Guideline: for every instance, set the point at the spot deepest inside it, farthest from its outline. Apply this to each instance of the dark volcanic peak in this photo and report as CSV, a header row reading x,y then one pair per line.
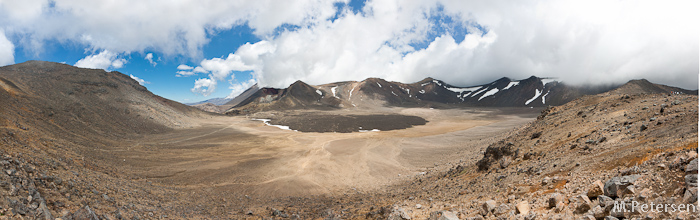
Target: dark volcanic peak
x,y
504,92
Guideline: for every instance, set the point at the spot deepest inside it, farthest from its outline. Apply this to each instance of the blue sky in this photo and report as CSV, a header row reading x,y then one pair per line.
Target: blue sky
x,y
161,77
223,47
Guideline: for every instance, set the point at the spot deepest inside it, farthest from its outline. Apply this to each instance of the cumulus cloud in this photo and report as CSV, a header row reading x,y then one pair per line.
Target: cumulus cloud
x,y
240,87
176,28
141,81
185,70
184,67
103,60
204,86
246,58
149,57
7,50
578,42
593,41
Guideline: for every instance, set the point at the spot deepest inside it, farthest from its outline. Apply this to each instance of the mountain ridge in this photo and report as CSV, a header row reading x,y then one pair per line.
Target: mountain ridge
x,y
430,92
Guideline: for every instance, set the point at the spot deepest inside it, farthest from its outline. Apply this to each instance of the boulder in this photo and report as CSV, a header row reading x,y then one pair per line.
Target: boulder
x,y
522,208
691,195
691,180
501,209
554,199
488,207
85,213
588,217
598,212
602,200
445,215
44,212
595,189
582,204
399,213
615,187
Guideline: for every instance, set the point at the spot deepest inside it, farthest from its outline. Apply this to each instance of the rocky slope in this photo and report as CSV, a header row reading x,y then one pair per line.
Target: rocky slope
x,y
574,162
52,118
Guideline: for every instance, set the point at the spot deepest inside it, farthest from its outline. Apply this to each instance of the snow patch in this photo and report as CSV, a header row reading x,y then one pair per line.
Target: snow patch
x,y
490,92
545,95
470,89
422,91
380,85
333,91
545,81
437,82
353,89
319,92
511,84
267,122
392,92
373,130
537,94
478,92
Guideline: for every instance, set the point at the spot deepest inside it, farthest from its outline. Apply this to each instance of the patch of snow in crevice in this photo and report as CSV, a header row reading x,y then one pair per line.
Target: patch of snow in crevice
x,y
470,89
490,92
380,85
267,122
333,91
511,84
392,92
437,82
545,81
373,130
479,92
353,89
422,91
537,94
319,92
424,84
545,95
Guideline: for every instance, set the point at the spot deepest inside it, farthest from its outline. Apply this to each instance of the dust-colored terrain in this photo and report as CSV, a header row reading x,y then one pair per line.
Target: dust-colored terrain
x,y
247,156
89,144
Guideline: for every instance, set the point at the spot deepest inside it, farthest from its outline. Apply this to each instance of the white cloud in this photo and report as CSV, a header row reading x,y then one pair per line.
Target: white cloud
x,y
184,73
184,67
175,28
246,58
7,50
104,60
149,57
238,88
141,81
186,70
579,42
204,86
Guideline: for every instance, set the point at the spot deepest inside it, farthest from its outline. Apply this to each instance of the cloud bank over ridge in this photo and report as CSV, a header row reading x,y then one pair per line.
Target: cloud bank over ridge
x,y
321,41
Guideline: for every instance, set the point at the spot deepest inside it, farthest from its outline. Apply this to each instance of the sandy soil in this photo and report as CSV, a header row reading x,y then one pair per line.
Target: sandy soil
x,y
246,156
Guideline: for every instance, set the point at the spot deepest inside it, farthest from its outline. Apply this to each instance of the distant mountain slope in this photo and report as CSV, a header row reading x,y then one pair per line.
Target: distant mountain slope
x,y
243,96
429,92
215,101
643,86
70,101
